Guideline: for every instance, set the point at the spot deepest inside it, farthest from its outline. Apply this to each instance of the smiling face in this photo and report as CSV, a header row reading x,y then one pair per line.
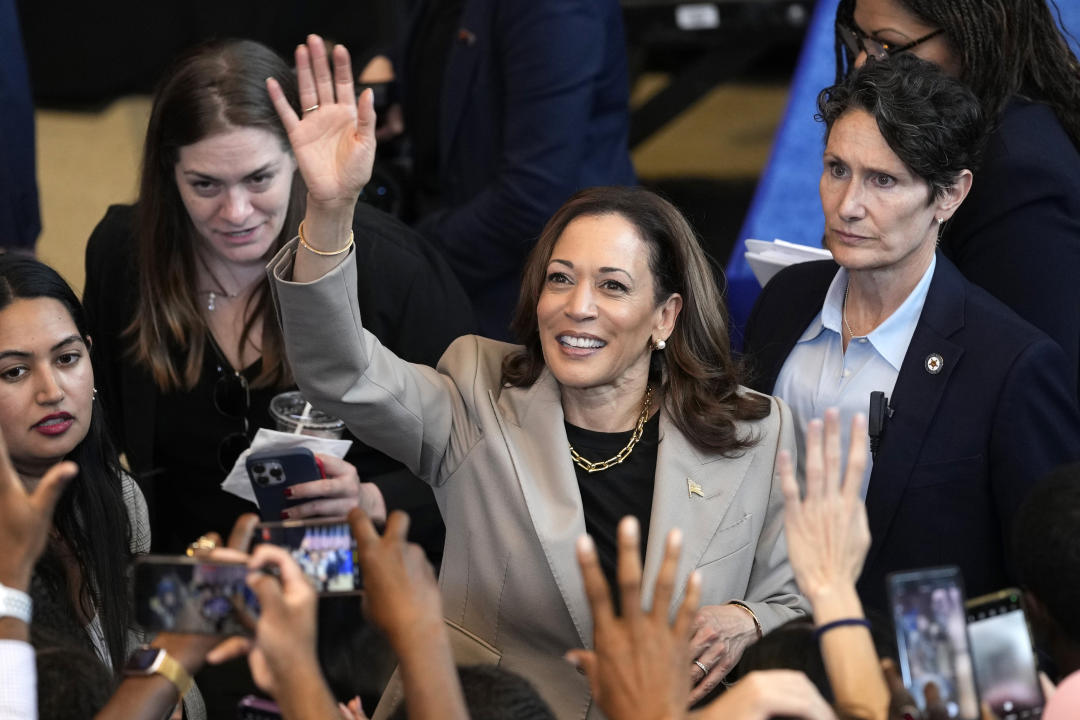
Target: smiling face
x,y
236,186
597,310
890,22
46,383
877,212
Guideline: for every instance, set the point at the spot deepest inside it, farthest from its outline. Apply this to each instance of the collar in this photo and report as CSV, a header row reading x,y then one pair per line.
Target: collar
x,y
892,337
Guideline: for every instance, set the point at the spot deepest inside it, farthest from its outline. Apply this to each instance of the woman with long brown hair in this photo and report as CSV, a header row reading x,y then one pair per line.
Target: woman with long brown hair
x,y
623,399
188,350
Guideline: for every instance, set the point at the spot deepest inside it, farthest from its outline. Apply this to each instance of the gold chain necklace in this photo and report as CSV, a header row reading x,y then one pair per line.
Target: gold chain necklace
x,y
591,467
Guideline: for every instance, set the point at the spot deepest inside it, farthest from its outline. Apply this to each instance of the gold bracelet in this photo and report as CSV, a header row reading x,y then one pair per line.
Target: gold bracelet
x,y
753,616
304,242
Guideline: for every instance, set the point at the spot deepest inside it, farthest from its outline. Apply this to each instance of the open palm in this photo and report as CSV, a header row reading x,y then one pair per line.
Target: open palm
x,y
334,141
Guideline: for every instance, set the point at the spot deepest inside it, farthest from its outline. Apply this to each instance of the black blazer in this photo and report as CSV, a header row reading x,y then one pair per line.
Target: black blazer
x,y
1017,235
415,304
964,445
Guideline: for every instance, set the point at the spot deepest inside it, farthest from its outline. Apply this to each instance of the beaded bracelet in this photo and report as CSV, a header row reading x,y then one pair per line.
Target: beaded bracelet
x,y
304,242
844,622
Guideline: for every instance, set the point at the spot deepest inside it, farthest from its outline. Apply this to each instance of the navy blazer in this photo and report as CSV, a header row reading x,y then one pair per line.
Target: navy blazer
x,y
963,445
1017,235
535,106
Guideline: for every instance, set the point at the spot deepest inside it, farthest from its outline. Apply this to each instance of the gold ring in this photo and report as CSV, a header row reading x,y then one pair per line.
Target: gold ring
x,y
205,542
313,108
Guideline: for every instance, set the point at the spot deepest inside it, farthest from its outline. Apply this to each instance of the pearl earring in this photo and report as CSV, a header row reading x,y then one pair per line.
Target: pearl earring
x,y
93,395
659,344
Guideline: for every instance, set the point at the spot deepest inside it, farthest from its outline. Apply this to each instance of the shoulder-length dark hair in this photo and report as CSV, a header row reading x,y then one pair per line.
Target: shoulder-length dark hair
x,y
933,122
215,87
1005,48
91,519
698,376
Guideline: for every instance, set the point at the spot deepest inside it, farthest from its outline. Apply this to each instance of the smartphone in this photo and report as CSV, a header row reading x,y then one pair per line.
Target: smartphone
x,y
251,707
1005,666
190,595
931,635
271,471
324,549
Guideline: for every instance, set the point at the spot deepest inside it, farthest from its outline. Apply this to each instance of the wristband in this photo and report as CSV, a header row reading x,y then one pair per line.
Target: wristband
x,y
15,603
844,622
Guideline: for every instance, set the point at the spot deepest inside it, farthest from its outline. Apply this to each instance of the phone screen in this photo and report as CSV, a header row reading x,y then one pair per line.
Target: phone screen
x,y
931,634
185,595
324,550
1005,665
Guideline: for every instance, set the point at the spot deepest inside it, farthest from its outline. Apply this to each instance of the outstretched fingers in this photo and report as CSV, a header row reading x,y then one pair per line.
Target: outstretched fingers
x,y
343,79
320,69
628,566
665,579
596,587
832,452
856,461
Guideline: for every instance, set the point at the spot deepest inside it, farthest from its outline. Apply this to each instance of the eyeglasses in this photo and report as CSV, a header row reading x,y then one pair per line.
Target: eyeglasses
x,y
857,41
232,398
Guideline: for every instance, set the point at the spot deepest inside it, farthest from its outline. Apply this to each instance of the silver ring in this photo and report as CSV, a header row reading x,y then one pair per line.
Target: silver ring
x,y
703,666
313,108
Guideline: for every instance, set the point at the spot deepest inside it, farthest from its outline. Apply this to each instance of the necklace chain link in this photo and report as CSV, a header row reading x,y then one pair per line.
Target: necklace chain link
x,y
591,467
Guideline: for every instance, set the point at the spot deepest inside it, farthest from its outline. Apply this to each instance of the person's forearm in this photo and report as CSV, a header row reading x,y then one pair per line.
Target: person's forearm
x,y
14,629
429,676
140,698
304,694
326,230
851,660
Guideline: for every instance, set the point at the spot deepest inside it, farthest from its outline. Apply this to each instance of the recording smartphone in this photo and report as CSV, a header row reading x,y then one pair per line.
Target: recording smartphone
x,y
271,471
931,635
251,707
324,549
190,595
1005,665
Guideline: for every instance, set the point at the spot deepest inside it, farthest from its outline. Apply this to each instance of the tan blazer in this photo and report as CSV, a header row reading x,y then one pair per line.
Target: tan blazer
x,y
499,463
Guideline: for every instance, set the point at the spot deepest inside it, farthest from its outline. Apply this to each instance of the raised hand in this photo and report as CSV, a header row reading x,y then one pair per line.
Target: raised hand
x,y
338,493
334,139
26,517
638,667
827,531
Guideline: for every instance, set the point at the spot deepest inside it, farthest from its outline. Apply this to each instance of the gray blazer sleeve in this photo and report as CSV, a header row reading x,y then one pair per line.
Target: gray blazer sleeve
x,y
406,411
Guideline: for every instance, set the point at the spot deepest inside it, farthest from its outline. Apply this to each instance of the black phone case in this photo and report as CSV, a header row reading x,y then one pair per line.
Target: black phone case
x,y
271,471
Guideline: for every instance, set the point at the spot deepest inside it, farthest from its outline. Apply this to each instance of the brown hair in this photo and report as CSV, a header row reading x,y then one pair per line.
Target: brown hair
x,y
698,376
215,87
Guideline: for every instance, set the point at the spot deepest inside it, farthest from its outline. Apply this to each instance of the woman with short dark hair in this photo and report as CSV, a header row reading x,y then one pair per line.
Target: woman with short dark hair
x,y
1017,234
968,403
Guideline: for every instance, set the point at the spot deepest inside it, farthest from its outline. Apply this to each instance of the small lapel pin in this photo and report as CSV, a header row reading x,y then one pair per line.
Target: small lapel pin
x,y
693,488
466,37
934,363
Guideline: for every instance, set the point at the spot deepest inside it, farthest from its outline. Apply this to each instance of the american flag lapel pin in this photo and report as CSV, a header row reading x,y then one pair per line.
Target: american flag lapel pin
x,y
692,488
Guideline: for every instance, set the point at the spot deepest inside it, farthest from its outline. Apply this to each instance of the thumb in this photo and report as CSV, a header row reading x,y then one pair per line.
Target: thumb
x,y
52,485
584,661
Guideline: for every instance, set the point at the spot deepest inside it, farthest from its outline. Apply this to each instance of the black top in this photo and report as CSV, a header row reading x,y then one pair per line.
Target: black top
x,y
409,299
435,31
625,489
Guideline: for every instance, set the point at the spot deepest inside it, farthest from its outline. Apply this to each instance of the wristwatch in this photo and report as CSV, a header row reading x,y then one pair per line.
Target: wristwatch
x,y
148,661
15,603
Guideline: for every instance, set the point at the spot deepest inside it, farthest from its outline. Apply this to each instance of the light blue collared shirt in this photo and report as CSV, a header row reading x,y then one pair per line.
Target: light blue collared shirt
x,y
818,374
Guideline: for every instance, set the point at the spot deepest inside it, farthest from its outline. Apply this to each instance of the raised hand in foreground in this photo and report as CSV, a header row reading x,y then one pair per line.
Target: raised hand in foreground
x,y
638,667
828,538
403,599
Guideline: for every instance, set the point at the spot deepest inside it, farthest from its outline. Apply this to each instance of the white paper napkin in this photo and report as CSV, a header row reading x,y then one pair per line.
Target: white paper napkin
x,y
237,481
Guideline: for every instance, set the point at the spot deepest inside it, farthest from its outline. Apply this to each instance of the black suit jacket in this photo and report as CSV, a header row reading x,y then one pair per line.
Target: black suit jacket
x,y
1017,235
415,304
964,445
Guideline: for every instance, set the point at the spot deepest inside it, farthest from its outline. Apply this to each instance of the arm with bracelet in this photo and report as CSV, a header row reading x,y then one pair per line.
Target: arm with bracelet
x,y
828,538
